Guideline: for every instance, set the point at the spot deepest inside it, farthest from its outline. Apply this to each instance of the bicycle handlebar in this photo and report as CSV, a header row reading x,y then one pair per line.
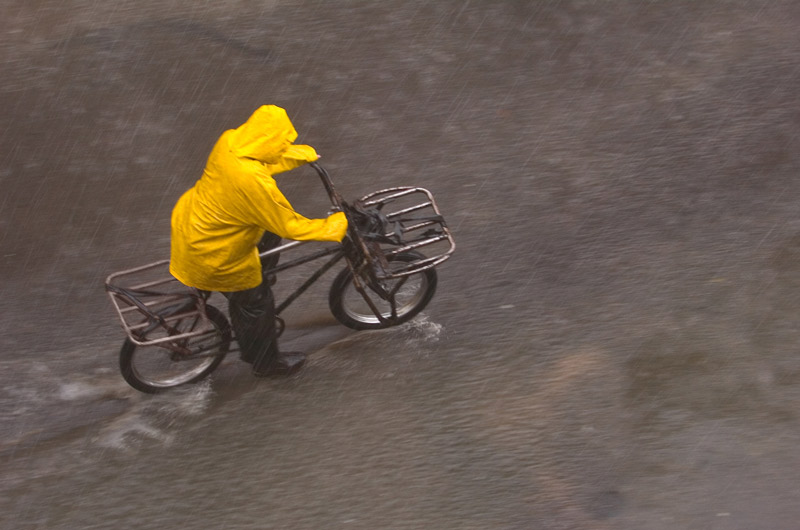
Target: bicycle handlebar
x,y
336,199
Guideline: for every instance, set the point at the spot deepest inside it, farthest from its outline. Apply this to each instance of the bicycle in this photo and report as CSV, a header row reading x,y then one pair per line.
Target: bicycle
x,y
175,337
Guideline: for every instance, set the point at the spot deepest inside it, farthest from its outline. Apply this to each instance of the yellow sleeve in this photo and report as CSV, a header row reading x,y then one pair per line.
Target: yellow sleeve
x,y
270,209
294,156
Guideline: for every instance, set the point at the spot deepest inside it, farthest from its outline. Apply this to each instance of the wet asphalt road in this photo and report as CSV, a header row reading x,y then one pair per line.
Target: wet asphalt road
x,y
613,345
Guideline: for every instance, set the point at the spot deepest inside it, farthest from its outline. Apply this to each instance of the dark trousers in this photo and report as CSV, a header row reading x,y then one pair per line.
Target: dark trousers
x,y
252,314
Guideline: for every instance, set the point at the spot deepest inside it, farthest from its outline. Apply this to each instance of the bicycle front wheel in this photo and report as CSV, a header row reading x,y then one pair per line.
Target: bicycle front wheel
x,y
411,294
155,369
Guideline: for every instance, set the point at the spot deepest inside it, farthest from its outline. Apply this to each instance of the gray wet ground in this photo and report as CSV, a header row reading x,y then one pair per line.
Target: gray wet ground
x,y
613,345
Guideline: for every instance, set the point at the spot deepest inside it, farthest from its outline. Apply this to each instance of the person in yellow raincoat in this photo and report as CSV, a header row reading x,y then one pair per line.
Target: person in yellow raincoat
x,y
236,208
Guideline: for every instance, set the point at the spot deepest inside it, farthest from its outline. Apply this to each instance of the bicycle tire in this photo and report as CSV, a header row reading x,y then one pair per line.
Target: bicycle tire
x,y
349,307
178,371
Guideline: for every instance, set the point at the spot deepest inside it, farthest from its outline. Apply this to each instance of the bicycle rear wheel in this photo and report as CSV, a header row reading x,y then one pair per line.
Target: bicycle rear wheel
x,y
412,294
155,369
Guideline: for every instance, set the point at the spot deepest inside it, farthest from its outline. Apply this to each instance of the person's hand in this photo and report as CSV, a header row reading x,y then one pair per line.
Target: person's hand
x,y
337,225
304,153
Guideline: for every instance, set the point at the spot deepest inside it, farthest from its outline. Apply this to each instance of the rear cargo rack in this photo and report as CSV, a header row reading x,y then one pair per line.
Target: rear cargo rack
x,y
149,301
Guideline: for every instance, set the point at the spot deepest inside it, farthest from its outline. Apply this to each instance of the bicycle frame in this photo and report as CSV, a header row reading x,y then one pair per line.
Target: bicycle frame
x,y
336,252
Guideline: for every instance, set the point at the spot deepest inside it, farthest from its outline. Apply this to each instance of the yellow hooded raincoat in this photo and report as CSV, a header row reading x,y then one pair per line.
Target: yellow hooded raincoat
x,y
217,223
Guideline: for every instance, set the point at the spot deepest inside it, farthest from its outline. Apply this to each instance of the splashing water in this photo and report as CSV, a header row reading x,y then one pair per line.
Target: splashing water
x,y
156,418
422,329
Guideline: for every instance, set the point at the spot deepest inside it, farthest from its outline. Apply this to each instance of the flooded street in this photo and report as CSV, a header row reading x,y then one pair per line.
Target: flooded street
x,y
612,346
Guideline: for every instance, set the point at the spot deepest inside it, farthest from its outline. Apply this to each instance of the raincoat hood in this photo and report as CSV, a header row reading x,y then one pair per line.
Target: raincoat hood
x,y
265,136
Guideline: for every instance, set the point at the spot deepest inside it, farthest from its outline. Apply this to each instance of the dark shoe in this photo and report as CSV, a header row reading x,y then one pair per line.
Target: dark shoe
x,y
287,363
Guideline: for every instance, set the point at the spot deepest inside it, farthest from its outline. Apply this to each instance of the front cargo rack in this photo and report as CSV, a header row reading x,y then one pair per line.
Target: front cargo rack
x,y
410,220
